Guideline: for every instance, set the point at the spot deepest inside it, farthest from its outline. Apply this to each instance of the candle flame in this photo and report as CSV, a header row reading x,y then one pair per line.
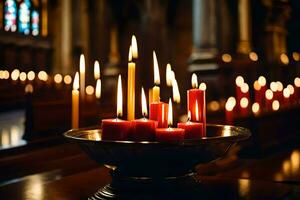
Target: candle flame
x,y
230,104
297,82
98,89
189,116
156,70
255,108
76,82
96,70
273,86
197,111
144,104
256,85
279,86
286,93
291,89
262,81
194,81
202,86
168,75
119,98
239,81
134,47
244,102
170,113
275,105
269,94
245,88
130,54
82,64
176,94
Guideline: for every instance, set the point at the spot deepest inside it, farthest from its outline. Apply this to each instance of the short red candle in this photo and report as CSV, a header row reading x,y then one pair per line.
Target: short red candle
x,y
143,130
159,113
193,130
169,134
115,129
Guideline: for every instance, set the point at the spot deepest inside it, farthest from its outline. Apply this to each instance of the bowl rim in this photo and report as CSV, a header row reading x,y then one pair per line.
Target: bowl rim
x,y
243,134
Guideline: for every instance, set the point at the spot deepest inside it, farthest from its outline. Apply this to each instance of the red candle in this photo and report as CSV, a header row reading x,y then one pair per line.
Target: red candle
x,y
263,84
159,113
245,91
116,129
169,134
239,81
286,96
143,129
196,101
244,107
258,95
193,130
292,93
229,108
279,92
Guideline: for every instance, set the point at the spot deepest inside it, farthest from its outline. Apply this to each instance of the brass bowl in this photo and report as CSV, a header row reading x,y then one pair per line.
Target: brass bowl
x,y
145,161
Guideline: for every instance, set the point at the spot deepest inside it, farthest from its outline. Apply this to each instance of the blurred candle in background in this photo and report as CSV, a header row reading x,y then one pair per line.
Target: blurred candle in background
x,y
82,76
96,70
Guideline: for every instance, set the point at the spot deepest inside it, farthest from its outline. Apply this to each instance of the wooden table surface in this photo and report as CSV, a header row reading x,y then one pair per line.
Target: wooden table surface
x,y
273,177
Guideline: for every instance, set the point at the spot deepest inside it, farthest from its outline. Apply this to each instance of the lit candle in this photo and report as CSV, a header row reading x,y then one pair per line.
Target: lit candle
x,y
143,129
82,76
292,93
169,134
116,129
239,81
258,97
98,89
96,70
245,90
279,92
131,87
193,130
156,89
229,108
275,105
263,84
75,102
286,96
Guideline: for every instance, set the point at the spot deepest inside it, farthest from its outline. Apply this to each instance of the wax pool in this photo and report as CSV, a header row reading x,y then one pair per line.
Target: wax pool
x,y
115,129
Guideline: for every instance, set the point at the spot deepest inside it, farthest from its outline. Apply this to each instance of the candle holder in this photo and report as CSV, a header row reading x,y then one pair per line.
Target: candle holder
x,y
143,170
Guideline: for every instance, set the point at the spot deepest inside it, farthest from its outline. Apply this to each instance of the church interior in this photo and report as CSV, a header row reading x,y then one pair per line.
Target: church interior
x,y
65,65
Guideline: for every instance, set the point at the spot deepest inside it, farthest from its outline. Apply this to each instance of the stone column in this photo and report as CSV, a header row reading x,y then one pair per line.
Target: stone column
x,y
204,30
244,40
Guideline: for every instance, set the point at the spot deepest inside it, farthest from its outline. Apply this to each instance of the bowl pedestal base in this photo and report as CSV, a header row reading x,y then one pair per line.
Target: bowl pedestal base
x,y
148,188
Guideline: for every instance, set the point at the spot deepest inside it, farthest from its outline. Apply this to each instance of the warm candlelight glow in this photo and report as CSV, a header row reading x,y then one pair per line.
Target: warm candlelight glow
x,y
23,76
230,104
255,108
284,58
194,81
273,86
96,70
279,86
239,81
98,89
244,102
89,90
256,85
189,116
214,105
144,104
31,75
5,74
197,111
275,105
134,47
119,98
172,76
297,82
291,89
15,74
43,76
286,92
262,81
202,86
28,88
67,79
156,70
226,58
76,82
176,94
253,56
170,113
245,88
169,77
269,94
296,56
58,78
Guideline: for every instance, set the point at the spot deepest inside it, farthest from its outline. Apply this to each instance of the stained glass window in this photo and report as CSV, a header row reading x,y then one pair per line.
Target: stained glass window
x,y
35,19
24,17
10,15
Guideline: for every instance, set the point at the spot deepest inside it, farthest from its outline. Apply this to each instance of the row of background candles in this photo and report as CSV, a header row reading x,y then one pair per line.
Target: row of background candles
x,y
265,99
